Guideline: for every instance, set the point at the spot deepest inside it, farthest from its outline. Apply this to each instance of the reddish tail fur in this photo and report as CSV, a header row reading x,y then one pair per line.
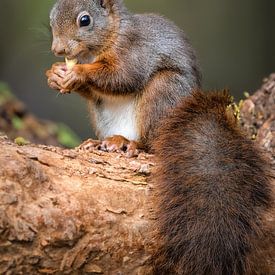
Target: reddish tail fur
x,y
213,190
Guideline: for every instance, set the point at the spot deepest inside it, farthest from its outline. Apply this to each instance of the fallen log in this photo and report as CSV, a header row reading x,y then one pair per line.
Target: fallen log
x,y
62,211
65,212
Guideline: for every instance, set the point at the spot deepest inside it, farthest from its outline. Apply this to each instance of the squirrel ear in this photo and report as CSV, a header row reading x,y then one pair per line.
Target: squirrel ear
x,y
106,3
102,3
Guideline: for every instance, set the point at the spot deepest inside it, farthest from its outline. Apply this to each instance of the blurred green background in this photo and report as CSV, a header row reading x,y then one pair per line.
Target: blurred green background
x,y
234,40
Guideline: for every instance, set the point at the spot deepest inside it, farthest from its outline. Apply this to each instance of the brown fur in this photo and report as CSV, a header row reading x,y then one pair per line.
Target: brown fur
x,y
212,190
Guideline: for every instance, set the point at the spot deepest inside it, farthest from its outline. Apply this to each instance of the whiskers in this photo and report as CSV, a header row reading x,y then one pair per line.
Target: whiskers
x,y
42,37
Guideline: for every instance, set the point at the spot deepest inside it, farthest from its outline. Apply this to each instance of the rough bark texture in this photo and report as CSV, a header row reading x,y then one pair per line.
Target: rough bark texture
x,y
64,212
258,117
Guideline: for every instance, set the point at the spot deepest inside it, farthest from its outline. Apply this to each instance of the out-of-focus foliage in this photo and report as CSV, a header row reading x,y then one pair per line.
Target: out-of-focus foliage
x,y
23,127
66,136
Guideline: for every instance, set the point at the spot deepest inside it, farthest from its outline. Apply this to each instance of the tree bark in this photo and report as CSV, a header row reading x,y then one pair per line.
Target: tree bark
x,y
65,212
258,117
62,211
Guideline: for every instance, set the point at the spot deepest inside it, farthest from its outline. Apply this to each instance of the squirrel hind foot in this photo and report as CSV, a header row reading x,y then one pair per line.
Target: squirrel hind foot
x,y
89,145
120,144
115,143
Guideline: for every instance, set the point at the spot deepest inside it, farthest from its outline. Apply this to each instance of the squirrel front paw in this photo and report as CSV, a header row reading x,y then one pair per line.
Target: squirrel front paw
x,y
73,79
63,79
56,75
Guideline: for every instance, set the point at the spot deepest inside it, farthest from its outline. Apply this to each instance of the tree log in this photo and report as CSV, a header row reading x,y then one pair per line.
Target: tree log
x,y
65,212
258,117
62,211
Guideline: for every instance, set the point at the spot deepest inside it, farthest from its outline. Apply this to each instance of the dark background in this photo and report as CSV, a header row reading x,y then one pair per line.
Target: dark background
x,y
234,40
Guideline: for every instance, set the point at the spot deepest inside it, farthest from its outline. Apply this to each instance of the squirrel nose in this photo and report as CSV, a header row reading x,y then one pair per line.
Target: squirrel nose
x,y
58,48
59,51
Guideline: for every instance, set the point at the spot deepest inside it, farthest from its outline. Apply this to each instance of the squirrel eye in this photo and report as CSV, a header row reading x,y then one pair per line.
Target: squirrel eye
x,y
84,21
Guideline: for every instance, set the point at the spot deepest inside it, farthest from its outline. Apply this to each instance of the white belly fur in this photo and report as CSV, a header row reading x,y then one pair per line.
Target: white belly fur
x,y
117,116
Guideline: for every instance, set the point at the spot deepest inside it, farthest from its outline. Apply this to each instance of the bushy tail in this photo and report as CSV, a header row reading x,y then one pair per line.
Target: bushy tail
x,y
211,188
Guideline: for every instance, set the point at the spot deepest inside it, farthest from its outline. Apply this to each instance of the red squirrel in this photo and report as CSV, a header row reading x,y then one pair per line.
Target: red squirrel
x,y
141,79
132,68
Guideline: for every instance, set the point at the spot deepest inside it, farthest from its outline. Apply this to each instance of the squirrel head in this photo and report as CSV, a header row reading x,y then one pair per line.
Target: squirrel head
x,y
81,28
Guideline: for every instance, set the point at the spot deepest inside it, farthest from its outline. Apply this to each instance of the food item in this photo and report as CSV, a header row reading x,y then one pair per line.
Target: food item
x,y
70,63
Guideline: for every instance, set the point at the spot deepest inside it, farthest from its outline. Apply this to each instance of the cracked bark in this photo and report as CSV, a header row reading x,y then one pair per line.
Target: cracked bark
x,y
64,212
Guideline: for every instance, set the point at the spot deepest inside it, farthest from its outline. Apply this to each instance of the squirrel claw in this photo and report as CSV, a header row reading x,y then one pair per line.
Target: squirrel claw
x,y
89,145
72,80
55,76
132,150
111,144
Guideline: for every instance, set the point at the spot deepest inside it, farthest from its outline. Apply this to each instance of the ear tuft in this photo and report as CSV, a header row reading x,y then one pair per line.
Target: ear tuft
x,y
102,3
107,3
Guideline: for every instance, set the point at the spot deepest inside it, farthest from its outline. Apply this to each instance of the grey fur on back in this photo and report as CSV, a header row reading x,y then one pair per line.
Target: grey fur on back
x,y
159,45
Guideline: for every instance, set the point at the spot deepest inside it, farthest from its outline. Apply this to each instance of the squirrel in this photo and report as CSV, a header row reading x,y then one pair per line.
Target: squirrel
x,y
130,72
141,78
